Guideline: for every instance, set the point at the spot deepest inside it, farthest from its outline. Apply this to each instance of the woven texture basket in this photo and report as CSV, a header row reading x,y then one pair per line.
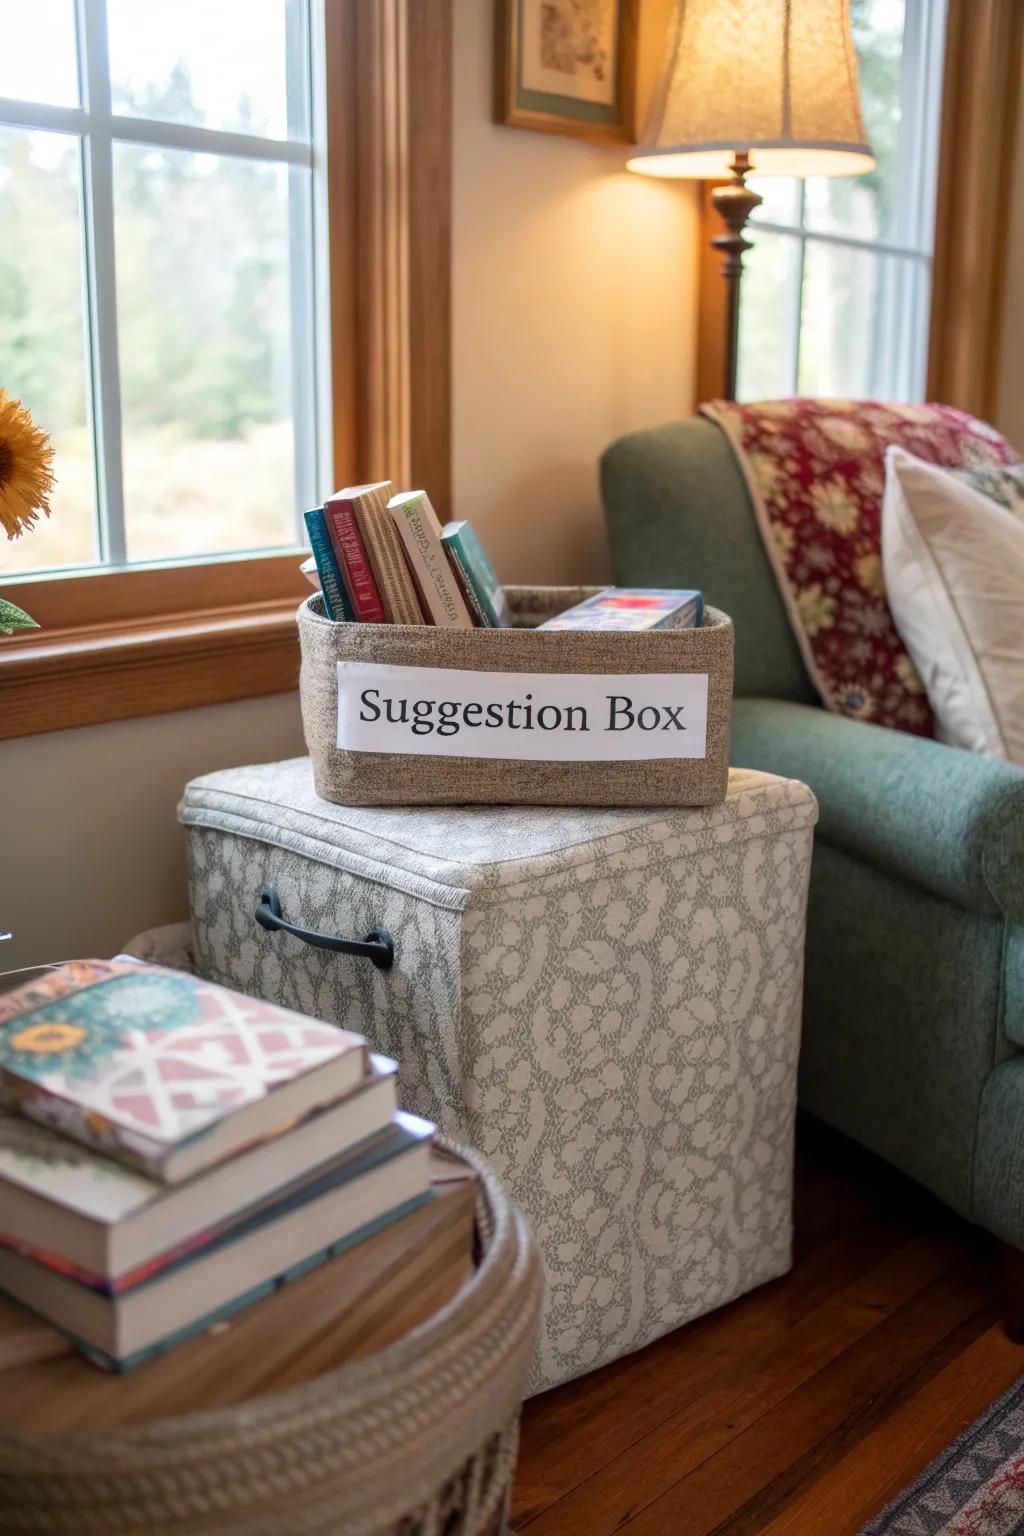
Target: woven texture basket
x,y
419,1439
379,778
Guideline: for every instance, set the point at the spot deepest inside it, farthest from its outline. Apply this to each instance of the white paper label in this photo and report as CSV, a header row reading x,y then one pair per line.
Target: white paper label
x,y
536,716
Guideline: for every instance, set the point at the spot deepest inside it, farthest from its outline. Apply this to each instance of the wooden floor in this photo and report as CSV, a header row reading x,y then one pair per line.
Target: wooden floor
x,y
802,1409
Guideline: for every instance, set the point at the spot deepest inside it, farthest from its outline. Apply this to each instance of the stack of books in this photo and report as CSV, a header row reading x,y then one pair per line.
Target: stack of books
x,y
384,559
171,1151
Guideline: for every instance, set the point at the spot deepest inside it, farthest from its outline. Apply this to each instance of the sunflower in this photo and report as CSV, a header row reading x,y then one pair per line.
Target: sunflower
x,y
26,473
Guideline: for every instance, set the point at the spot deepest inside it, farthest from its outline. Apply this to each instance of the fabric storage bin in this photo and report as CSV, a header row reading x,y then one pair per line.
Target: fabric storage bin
x,y
690,665
604,1003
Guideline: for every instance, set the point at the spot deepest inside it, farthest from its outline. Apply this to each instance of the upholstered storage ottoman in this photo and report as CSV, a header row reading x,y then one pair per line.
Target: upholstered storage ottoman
x,y
605,1003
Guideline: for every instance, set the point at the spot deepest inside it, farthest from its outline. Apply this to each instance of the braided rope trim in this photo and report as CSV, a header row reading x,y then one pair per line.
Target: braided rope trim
x,y
365,1447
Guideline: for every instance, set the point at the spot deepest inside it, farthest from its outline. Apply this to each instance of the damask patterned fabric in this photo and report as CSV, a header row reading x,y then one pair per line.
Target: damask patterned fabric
x,y
605,1003
816,473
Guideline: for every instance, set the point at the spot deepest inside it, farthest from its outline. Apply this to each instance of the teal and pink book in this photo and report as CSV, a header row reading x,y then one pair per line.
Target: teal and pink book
x,y
161,1070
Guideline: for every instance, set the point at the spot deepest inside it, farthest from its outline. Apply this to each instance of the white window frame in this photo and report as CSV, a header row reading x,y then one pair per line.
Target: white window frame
x,y
903,308
98,128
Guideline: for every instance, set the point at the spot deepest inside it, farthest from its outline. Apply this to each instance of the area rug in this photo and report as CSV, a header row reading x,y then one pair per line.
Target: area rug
x,y
976,1488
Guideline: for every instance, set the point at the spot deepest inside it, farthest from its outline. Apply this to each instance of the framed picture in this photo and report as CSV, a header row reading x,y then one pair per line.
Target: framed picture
x,y
568,66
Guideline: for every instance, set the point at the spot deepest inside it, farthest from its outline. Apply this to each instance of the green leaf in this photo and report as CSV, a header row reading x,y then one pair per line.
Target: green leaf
x,y
12,618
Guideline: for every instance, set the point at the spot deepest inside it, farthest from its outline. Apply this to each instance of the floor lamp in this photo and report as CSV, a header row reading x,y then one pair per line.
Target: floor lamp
x,y
754,87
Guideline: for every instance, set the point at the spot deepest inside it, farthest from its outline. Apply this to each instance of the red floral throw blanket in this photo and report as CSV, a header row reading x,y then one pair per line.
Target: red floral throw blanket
x,y
816,473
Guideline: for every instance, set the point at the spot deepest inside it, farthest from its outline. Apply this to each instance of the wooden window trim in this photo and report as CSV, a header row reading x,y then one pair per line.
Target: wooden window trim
x,y
116,644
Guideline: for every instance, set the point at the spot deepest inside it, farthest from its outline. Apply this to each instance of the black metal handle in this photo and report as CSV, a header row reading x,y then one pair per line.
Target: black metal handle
x,y
378,946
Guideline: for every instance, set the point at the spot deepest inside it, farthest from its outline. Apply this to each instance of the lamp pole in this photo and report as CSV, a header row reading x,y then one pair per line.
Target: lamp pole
x,y
735,202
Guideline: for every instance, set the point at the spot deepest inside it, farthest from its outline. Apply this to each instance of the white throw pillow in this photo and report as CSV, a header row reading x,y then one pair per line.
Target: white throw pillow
x,y
953,560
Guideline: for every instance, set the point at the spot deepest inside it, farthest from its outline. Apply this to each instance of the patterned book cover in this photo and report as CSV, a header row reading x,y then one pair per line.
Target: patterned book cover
x,y
386,555
633,608
137,1060
461,542
353,559
440,593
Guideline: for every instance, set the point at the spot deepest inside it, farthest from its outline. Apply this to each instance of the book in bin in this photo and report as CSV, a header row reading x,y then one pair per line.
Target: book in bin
x,y
633,608
476,575
384,551
439,591
350,550
337,603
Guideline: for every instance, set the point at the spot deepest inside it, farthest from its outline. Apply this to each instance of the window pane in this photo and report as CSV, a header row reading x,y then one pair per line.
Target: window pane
x,y
205,330
769,317
865,322
42,334
864,205
781,199
37,52
237,65
838,333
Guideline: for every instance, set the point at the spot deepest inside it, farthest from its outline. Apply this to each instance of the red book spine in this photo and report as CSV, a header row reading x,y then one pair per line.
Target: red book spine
x,y
351,551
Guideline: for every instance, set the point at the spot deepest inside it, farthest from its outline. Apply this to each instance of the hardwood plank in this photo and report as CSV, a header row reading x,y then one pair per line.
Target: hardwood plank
x,y
570,1434
695,1505
758,1383
848,1220
899,1449
801,1409
757,1513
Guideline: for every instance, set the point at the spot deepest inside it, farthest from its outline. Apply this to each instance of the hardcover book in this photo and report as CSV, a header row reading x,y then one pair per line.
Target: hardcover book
x,y
476,574
347,1201
109,1226
162,1070
633,608
384,550
337,604
350,550
440,594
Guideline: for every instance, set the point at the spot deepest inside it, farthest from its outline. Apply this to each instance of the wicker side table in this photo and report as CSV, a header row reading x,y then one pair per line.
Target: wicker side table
x,y
415,1438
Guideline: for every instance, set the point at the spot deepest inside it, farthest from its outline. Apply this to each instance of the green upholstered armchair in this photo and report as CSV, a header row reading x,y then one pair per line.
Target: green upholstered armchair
x,y
914,1012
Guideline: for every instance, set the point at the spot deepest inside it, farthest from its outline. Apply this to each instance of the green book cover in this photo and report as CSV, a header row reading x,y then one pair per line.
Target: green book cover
x,y
461,539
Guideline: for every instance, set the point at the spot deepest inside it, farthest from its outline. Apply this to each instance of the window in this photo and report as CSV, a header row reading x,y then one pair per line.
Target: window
x,y
835,294
163,305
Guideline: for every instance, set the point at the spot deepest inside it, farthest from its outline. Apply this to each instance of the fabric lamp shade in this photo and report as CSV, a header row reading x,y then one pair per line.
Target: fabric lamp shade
x,y
774,78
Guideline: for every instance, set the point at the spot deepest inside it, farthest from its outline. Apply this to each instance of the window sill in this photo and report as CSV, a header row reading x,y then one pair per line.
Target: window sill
x,y
132,664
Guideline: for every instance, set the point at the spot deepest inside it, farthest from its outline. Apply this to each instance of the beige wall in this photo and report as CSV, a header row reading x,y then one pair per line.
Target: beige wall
x,y
1009,415
90,849
574,315
574,321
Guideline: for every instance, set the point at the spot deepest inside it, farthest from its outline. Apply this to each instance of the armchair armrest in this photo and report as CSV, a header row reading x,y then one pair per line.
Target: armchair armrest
x,y
943,819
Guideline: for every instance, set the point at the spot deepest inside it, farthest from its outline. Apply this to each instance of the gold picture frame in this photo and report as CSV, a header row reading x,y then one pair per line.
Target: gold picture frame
x,y
568,66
